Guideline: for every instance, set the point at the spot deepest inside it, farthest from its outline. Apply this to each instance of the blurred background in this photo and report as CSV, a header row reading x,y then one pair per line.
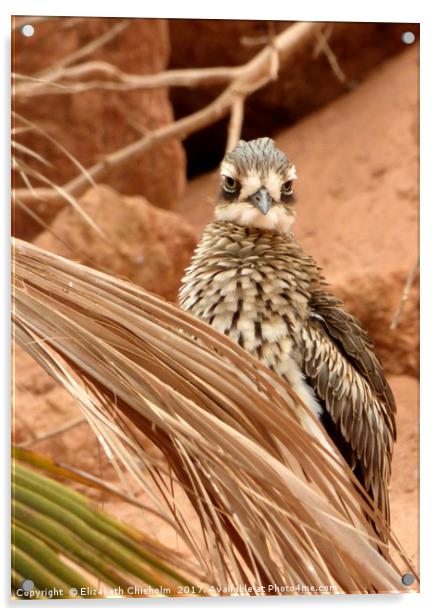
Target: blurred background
x,y
344,108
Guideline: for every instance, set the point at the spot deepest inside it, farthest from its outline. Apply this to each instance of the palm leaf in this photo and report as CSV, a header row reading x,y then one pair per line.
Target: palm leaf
x,y
60,540
275,505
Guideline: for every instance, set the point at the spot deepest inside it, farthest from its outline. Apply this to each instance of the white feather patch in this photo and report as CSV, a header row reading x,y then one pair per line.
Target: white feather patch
x,y
273,183
291,372
227,169
250,185
274,330
246,215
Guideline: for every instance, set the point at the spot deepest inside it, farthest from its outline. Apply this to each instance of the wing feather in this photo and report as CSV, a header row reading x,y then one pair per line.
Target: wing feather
x,y
340,364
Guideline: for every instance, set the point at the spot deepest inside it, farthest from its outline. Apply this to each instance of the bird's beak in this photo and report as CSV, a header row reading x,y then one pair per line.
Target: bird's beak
x,y
262,200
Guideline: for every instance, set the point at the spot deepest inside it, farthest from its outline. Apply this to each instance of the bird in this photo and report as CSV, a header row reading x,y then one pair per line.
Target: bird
x,y
250,279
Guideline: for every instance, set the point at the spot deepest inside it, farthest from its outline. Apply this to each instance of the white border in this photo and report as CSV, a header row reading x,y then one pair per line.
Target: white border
x,y
335,10
374,10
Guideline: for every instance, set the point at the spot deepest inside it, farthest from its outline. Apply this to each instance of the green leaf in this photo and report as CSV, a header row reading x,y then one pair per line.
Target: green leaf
x,y
57,531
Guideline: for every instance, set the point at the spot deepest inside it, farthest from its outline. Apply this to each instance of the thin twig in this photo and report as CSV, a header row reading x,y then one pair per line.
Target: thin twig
x,y
32,126
70,80
87,49
71,22
331,57
60,430
254,41
327,35
275,56
45,226
406,291
236,120
60,192
78,475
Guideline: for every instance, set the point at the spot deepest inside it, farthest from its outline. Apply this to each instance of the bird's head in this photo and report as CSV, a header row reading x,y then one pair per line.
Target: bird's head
x,y
256,187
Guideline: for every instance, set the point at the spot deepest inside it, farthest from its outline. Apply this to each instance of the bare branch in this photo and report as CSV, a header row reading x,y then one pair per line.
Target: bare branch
x,y
66,80
327,33
248,78
236,120
87,49
254,41
324,46
56,432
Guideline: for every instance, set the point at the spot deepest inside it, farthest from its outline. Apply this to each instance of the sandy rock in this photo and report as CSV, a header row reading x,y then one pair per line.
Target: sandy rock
x,y
41,409
374,298
147,245
94,123
405,471
357,166
305,83
357,201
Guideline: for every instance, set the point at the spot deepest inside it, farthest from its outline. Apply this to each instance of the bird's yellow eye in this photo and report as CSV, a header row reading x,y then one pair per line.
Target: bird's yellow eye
x,y
230,184
286,189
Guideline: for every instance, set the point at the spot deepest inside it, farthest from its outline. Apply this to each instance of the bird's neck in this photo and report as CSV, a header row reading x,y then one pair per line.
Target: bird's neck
x,y
228,245
242,260
223,233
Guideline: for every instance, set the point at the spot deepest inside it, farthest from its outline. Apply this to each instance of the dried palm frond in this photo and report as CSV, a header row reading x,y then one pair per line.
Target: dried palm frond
x,y
270,504
26,172
23,156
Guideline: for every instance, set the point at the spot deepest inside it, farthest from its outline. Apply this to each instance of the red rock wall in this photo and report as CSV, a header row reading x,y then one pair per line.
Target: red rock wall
x,y
143,244
94,123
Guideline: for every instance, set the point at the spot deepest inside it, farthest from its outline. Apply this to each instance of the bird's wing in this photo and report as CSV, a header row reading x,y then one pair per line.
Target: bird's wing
x,y
339,363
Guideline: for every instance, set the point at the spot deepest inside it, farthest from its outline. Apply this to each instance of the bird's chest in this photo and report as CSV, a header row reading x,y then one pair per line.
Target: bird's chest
x,y
259,300
256,300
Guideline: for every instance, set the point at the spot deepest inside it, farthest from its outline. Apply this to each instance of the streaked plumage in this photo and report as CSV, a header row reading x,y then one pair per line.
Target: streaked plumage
x,y
250,279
